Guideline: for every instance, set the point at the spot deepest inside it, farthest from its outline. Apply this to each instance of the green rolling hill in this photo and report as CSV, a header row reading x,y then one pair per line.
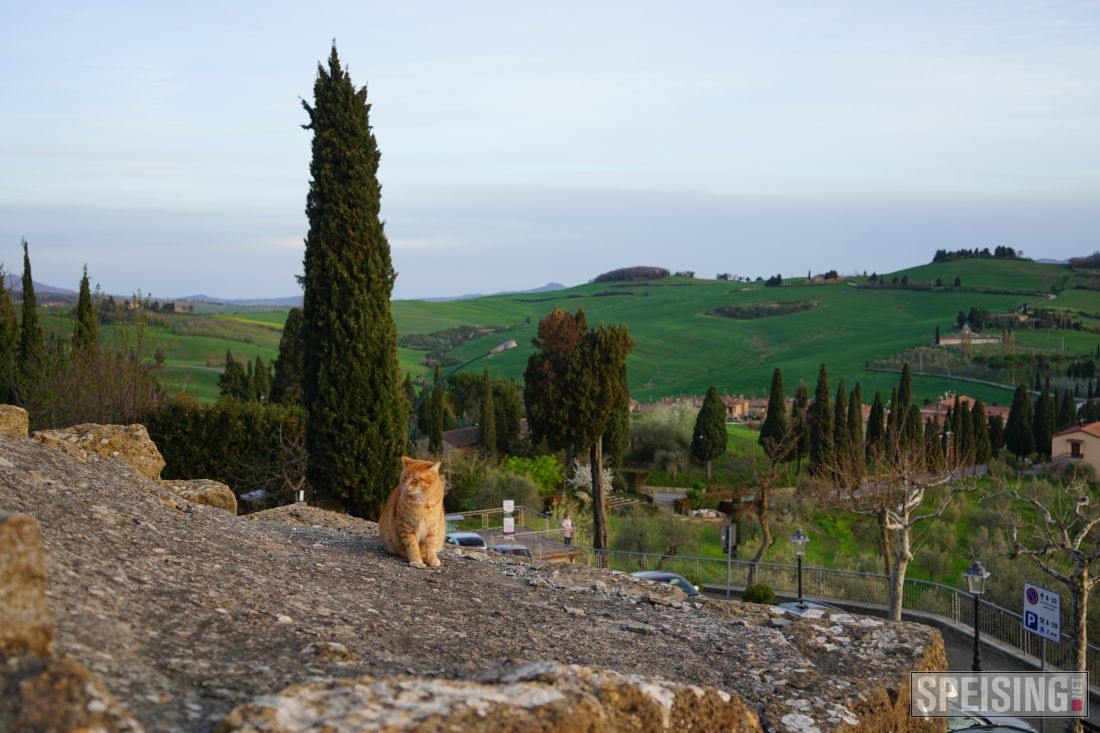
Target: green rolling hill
x,y
682,347
690,334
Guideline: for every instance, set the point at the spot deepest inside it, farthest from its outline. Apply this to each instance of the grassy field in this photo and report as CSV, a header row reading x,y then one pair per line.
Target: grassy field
x,y
681,347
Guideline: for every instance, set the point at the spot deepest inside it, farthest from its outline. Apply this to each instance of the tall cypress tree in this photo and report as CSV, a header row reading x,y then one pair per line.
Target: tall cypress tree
x,y
487,430
32,340
800,422
261,379
709,439
1018,430
773,432
876,427
9,342
437,412
1067,412
286,386
996,434
854,428
855,419
357,415
616,436
821,424
234,381
841,442
983,447
1043,423
86,330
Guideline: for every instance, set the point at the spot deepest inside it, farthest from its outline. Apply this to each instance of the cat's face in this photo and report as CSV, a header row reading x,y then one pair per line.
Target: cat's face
x,y
420,480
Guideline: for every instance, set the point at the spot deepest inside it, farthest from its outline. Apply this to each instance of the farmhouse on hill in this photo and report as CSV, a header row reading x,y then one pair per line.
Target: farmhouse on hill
x,y
1081,444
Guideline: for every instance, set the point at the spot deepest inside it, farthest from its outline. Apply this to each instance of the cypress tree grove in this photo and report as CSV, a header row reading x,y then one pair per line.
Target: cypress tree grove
x,y
357,414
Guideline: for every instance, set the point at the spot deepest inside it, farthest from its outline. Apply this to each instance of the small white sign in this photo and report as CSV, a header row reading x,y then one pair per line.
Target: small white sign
x,y
1042,612
509,526
509,506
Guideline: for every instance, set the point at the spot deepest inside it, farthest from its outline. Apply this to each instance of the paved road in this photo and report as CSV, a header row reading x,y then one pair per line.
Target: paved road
x,y
959,644
960,657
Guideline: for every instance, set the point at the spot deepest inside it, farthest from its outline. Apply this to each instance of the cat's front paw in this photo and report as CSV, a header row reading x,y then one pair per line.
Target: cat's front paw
x,y
417,564
433,561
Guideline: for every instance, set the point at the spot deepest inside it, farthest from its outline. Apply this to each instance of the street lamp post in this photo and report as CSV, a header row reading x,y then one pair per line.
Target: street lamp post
x,y
799,540
976,576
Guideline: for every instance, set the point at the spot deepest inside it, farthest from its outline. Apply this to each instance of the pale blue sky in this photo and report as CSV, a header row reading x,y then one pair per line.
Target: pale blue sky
x,y
525,143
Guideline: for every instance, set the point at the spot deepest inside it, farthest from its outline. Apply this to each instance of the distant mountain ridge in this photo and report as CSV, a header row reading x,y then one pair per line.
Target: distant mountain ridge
x,y
15,285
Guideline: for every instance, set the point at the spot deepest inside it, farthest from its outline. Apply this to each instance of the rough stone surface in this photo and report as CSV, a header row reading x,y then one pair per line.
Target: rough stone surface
x,y
187,612
14,421
129,443
59,695
541,697
25,621
204,491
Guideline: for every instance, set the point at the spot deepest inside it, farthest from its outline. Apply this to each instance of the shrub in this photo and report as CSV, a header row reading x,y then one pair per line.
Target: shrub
x,y
759,593
496,486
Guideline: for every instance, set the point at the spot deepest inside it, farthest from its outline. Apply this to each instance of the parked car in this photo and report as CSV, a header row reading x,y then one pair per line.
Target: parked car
x,y
517,550
662,576
466,539
960,721
808,608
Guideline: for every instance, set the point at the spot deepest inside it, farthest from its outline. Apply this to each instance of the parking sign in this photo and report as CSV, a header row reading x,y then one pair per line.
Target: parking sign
x,y
1042,612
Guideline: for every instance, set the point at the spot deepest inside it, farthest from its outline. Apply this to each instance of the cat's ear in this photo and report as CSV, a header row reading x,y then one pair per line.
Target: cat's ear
x,y
406,460
435,467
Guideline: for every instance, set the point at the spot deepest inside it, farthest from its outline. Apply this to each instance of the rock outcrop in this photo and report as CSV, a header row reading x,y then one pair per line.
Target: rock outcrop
x,y
541,697
27,625
14,421
129,443
39,692
191,617
204,491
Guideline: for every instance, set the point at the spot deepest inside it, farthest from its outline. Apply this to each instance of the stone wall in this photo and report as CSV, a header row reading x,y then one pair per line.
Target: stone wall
x,y
171,615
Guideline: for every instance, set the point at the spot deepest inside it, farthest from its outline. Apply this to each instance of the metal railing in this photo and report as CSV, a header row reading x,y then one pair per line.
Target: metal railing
x,y
542,534
861,589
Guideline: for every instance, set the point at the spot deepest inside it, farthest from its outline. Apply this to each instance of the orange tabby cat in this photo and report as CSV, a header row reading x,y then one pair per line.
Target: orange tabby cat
x,y
411,524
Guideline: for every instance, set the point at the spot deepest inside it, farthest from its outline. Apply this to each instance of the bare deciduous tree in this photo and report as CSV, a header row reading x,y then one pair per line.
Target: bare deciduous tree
x,y
1062,540
901,488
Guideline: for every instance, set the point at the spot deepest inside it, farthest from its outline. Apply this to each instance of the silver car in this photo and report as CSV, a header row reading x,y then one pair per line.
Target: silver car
x,y
673,579
466,539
